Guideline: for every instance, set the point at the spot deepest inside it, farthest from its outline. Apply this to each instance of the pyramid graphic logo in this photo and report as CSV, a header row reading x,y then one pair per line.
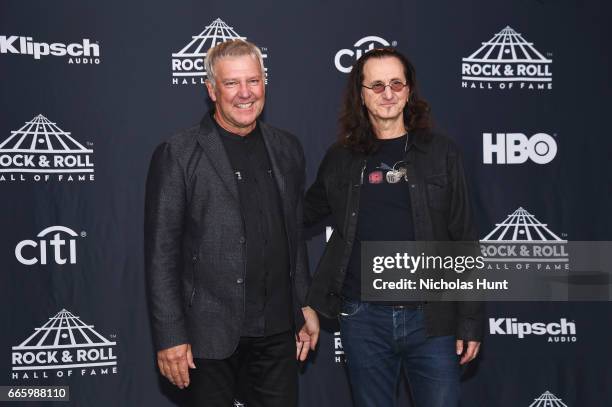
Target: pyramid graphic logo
x,y
506,61
521,226
41,147
61,344
547,399
523,238
188,63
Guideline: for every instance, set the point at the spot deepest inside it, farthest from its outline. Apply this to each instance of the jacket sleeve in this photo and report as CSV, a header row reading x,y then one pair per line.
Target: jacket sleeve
x,y
163,231
316,205
471,314
302,274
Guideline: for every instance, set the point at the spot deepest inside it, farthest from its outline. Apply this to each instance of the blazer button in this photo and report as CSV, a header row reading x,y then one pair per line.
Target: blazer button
x,y
242,240
239,281
353,214
194,258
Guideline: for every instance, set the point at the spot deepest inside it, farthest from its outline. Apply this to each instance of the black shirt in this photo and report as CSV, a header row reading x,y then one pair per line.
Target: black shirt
x,y
385,212
267,282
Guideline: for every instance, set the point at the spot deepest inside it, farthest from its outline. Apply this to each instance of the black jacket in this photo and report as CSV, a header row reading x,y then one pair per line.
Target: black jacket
x,y
441,212
195,246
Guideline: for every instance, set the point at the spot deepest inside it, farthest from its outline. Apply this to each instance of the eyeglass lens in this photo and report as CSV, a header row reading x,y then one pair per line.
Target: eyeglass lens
x,y
395,86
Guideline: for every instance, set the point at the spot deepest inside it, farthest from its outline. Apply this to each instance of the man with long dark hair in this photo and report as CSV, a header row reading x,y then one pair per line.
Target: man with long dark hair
x,y
391,178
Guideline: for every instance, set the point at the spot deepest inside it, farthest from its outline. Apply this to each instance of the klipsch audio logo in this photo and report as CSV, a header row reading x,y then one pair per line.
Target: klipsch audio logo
x,y
41,151
345,58
547,399
188,63
55,245
84,52
507,61
523,242
558,331
64,346
517,148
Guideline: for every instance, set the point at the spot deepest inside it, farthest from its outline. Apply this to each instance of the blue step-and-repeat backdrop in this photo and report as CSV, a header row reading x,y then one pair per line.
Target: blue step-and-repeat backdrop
x,y
88,89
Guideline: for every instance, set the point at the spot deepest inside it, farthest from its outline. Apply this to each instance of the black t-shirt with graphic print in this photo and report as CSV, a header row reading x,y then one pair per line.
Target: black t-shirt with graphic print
x,y
385,212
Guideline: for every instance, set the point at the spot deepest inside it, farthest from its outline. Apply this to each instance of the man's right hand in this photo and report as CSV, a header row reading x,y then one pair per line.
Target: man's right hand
x,y
174,364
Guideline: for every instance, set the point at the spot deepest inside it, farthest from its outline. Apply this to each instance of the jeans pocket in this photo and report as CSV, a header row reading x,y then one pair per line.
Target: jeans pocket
x,y
350,308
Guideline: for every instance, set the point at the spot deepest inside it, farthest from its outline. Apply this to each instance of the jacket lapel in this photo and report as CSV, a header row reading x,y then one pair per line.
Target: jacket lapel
x,y
210,141
274,148
279,160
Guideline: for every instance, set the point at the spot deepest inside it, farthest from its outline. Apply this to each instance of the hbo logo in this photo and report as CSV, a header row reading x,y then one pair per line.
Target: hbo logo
x,y
516,148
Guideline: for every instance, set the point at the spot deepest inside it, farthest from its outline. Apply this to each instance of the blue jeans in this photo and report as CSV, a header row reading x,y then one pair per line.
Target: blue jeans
x,y
379,340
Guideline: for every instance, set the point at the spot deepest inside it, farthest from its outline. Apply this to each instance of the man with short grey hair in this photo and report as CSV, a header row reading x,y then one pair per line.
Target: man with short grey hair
x,y
233,48
226,266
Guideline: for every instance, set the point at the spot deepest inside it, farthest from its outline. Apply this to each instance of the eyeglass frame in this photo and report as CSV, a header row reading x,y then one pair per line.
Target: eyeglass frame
x,y
384,87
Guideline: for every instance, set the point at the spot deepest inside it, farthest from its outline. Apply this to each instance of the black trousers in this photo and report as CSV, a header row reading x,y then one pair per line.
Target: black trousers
x,y
262,372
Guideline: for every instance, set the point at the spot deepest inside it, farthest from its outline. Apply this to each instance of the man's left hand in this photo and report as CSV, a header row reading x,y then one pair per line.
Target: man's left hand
x,y
306,339
470,352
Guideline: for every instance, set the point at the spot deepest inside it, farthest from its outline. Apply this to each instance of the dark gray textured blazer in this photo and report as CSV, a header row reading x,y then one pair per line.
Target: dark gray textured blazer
x,y
195,246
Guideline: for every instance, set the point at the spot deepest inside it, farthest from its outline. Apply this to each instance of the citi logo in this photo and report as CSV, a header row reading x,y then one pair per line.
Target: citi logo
x,y
517,148
55,244
345,58
84,52
562,331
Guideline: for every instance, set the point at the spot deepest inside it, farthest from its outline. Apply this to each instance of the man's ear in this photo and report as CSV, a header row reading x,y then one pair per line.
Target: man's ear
x,y
211,90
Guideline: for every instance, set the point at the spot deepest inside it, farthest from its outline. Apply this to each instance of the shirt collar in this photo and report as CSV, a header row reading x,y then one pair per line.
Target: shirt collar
x,y
420,139
255,133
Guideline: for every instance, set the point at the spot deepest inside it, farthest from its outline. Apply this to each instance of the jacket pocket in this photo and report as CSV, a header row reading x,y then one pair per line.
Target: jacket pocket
x,y
438,192
350,308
